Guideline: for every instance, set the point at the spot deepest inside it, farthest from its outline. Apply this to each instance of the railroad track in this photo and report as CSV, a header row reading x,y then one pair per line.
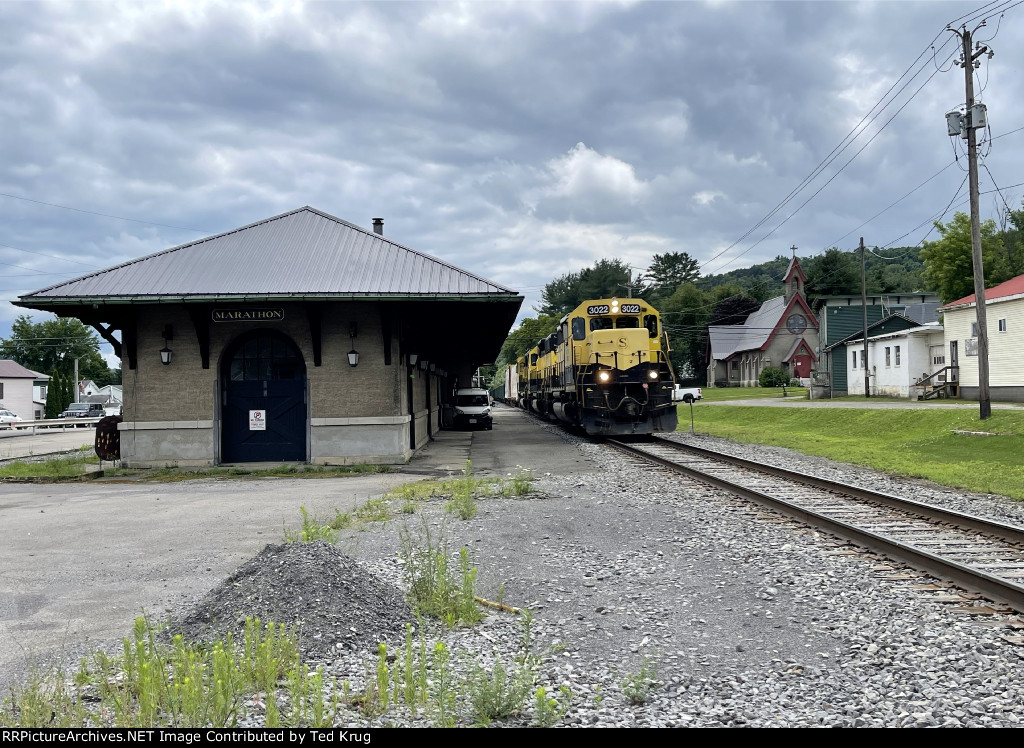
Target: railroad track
x,y
971,552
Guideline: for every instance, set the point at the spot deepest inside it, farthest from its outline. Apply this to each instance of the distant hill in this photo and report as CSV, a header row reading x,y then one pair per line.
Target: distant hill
x,y
891,270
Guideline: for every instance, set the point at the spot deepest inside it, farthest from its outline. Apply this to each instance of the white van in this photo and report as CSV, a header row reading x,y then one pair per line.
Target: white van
x,y
473,408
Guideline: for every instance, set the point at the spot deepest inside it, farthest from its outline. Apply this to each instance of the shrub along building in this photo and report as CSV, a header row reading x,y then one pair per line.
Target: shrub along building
x,y
298,338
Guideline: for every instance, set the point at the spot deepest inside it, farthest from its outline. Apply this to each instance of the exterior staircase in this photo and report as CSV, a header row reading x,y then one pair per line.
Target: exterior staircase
x,y
944,383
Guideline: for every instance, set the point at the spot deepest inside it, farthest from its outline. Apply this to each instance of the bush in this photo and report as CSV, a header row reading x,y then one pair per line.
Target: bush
x,y
773,376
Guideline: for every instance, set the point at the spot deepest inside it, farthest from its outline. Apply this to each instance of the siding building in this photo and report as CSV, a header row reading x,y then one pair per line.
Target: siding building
x,y
841,318
1004,306
300,338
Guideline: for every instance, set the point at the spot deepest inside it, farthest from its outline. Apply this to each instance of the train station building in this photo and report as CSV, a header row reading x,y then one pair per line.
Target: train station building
x,y
299,338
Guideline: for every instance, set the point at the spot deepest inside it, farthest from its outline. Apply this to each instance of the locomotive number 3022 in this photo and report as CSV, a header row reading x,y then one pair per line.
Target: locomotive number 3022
x,y
597,309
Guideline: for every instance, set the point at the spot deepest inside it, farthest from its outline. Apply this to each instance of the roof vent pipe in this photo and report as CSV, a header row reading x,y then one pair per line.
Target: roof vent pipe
x,y
378,226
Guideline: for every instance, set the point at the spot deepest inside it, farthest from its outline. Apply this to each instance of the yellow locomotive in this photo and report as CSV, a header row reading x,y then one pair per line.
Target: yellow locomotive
x,y
605,369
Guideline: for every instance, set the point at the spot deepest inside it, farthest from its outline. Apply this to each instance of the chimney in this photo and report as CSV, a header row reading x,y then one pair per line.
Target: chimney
x,y
378,226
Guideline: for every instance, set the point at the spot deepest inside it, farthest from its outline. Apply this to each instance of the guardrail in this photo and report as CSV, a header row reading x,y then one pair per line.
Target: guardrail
x,y
62,424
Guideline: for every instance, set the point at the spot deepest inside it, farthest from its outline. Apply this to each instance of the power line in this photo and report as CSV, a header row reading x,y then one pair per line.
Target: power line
x,y
103,215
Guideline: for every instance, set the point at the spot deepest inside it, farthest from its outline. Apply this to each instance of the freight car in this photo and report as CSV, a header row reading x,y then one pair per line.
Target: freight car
x,y
605,369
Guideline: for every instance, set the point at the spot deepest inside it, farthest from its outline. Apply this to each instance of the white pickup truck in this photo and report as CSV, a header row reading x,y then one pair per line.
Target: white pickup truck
x,y
686,394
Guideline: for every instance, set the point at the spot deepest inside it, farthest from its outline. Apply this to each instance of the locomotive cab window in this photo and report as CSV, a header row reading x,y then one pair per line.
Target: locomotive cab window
x,y
627,323
579,328
651,323
533,359
600,323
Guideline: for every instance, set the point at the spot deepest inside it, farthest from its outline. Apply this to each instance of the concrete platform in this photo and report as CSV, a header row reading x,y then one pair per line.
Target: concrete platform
x,y
517,441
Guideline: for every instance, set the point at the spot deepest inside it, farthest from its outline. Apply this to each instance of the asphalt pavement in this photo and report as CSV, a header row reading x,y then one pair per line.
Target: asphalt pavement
x,y
80,561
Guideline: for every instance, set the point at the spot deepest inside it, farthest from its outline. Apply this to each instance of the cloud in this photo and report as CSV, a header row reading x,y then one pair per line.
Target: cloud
x,y
520,141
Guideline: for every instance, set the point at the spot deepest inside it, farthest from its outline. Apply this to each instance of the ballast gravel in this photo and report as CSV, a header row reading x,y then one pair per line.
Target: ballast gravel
x,y
660,602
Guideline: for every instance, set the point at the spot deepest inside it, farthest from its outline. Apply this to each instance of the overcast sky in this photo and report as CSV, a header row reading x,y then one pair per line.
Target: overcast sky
x,y
520,141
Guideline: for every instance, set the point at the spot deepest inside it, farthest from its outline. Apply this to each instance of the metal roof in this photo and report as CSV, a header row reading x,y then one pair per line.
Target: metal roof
x,y
752,334
13,370
1005,291
304,253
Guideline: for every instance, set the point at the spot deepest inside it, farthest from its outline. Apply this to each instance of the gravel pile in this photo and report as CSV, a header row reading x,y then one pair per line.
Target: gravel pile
x,y
330,601
661,602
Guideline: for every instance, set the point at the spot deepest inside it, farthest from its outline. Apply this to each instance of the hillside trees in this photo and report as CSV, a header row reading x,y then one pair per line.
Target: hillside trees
x,y
55,344
525,337
832,274
669,271
948,267
605,279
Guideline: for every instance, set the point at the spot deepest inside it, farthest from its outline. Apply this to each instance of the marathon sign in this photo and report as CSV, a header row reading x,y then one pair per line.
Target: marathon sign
x,y
248,315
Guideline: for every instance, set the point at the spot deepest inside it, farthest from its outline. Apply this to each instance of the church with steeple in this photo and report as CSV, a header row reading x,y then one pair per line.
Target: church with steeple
x,y
782,333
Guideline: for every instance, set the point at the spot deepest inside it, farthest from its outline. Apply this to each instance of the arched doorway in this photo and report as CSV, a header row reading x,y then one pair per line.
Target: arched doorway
x,y
263,400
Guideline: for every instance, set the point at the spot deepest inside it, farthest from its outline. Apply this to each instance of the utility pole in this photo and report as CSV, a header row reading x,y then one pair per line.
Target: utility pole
x,y
864,311
78,389
969,128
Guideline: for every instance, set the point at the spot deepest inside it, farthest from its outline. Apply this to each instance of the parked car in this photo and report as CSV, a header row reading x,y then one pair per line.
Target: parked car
x,y
7,418
473,408
84,410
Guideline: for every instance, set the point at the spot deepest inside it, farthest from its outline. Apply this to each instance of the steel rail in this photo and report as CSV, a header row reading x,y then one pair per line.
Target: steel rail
x,y
1010,533
994,587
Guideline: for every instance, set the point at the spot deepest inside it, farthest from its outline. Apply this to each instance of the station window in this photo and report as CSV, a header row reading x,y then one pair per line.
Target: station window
x,y
897,355
888,357
974,329
1002,325
855,359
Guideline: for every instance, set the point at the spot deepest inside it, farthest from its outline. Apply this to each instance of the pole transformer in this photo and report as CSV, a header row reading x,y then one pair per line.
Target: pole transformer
x,y
969,62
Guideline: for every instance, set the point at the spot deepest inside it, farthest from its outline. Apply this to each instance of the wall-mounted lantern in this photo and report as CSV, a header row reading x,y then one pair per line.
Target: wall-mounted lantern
x,y
166,354
353,355
413,358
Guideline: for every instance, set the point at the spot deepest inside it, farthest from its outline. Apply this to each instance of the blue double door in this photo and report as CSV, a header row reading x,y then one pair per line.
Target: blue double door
x,y
263,406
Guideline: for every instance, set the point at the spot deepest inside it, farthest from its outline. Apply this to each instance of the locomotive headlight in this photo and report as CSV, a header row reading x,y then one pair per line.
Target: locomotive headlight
x,y
604,376
653,374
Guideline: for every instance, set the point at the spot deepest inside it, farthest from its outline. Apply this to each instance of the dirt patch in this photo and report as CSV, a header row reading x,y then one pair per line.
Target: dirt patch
x,y
332,602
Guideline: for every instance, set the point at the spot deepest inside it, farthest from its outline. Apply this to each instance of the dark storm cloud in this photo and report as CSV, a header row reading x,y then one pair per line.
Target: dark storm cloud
x,y
520,141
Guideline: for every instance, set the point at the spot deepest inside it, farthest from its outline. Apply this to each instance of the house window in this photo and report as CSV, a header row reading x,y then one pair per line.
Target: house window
x,y
888,357
1002,325
897,355
855,359
735,365
974,329
1,390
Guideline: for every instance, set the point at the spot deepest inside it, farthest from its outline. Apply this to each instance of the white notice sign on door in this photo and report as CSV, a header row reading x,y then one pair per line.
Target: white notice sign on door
x,y
257,420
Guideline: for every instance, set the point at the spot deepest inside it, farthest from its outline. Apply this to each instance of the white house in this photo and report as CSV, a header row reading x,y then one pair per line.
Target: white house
x,y
16,389
1004,306
895,360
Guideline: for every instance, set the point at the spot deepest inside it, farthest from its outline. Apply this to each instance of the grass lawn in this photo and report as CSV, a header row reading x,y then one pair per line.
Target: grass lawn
x,y
74,467
720,394
62,468
916,443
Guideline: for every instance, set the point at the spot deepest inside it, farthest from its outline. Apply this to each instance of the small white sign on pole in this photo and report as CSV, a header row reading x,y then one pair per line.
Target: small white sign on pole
x,y
257,420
